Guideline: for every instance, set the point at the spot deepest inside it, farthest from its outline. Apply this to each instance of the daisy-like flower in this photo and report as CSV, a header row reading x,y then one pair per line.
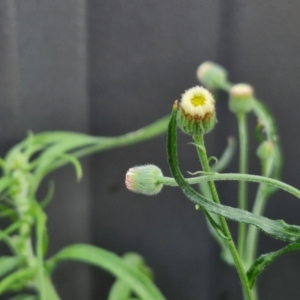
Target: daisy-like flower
x,y
144,179
196,113
241,98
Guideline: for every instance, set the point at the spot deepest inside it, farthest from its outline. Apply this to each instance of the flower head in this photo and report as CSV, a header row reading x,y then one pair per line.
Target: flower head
x,y
196,114
211,75
144,179
241,98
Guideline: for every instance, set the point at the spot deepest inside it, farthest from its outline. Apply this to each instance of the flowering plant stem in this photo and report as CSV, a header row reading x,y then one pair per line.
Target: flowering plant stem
x,y
229,241
236,177
258,209
243,169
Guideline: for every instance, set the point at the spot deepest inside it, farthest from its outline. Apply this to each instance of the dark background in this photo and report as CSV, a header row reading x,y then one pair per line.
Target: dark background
x,y
109,67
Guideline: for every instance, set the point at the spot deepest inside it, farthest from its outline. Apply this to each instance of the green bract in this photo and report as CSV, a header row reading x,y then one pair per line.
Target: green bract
x,y
241,98
144,179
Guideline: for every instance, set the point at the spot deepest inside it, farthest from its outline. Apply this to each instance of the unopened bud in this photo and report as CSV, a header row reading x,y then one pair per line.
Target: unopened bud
x,y
211,75
144,179
241,98
266,150
196,114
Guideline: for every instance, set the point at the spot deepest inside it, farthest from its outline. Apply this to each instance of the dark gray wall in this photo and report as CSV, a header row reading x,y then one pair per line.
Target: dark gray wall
x,y
109,67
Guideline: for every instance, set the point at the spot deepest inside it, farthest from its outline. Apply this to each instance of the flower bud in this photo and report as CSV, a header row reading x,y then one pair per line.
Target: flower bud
x,y
196,113
211,75
241,98
266,150
144,179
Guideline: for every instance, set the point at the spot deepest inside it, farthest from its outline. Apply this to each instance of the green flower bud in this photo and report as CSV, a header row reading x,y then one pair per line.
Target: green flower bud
x,y
212,75
241,98
266,150
196,113
144,179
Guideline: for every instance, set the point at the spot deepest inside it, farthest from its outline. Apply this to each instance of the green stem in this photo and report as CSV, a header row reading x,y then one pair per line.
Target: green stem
x,y
252,237
243,169
236,177
40,235
51,292
258,209
237,260
225,86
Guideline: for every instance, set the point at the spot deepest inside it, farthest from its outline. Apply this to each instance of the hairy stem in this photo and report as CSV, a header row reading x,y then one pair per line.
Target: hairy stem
x,y
243,169
237,260
236,177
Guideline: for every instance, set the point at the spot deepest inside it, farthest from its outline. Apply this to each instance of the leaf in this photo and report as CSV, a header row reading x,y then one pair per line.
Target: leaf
x,y
8,264
264,260
49,196
75,162
16,280
5,182
268,125
277,229
265,118
121,289
216,226
139,282
6,211
13,227
24,297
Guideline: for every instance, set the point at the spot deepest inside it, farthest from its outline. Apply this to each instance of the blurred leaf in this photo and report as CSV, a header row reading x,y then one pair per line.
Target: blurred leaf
x,y
264,260
74,161
49,196
121,289
24,297
17,280
8,264
139,282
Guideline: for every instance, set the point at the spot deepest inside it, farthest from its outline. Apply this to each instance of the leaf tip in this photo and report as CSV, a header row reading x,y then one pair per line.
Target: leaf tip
x,y
175,105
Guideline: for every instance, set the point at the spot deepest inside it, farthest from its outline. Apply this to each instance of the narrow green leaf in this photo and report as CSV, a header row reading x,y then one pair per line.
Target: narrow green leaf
x,y
5,182
49,196
264,260
16,280
276,229
24,297
7,212
13,227
8,264
216,226
121,289
75,162
268,125
266,120
139,282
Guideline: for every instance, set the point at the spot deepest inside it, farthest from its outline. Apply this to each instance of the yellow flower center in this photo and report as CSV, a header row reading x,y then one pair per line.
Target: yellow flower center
x,y
198,100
